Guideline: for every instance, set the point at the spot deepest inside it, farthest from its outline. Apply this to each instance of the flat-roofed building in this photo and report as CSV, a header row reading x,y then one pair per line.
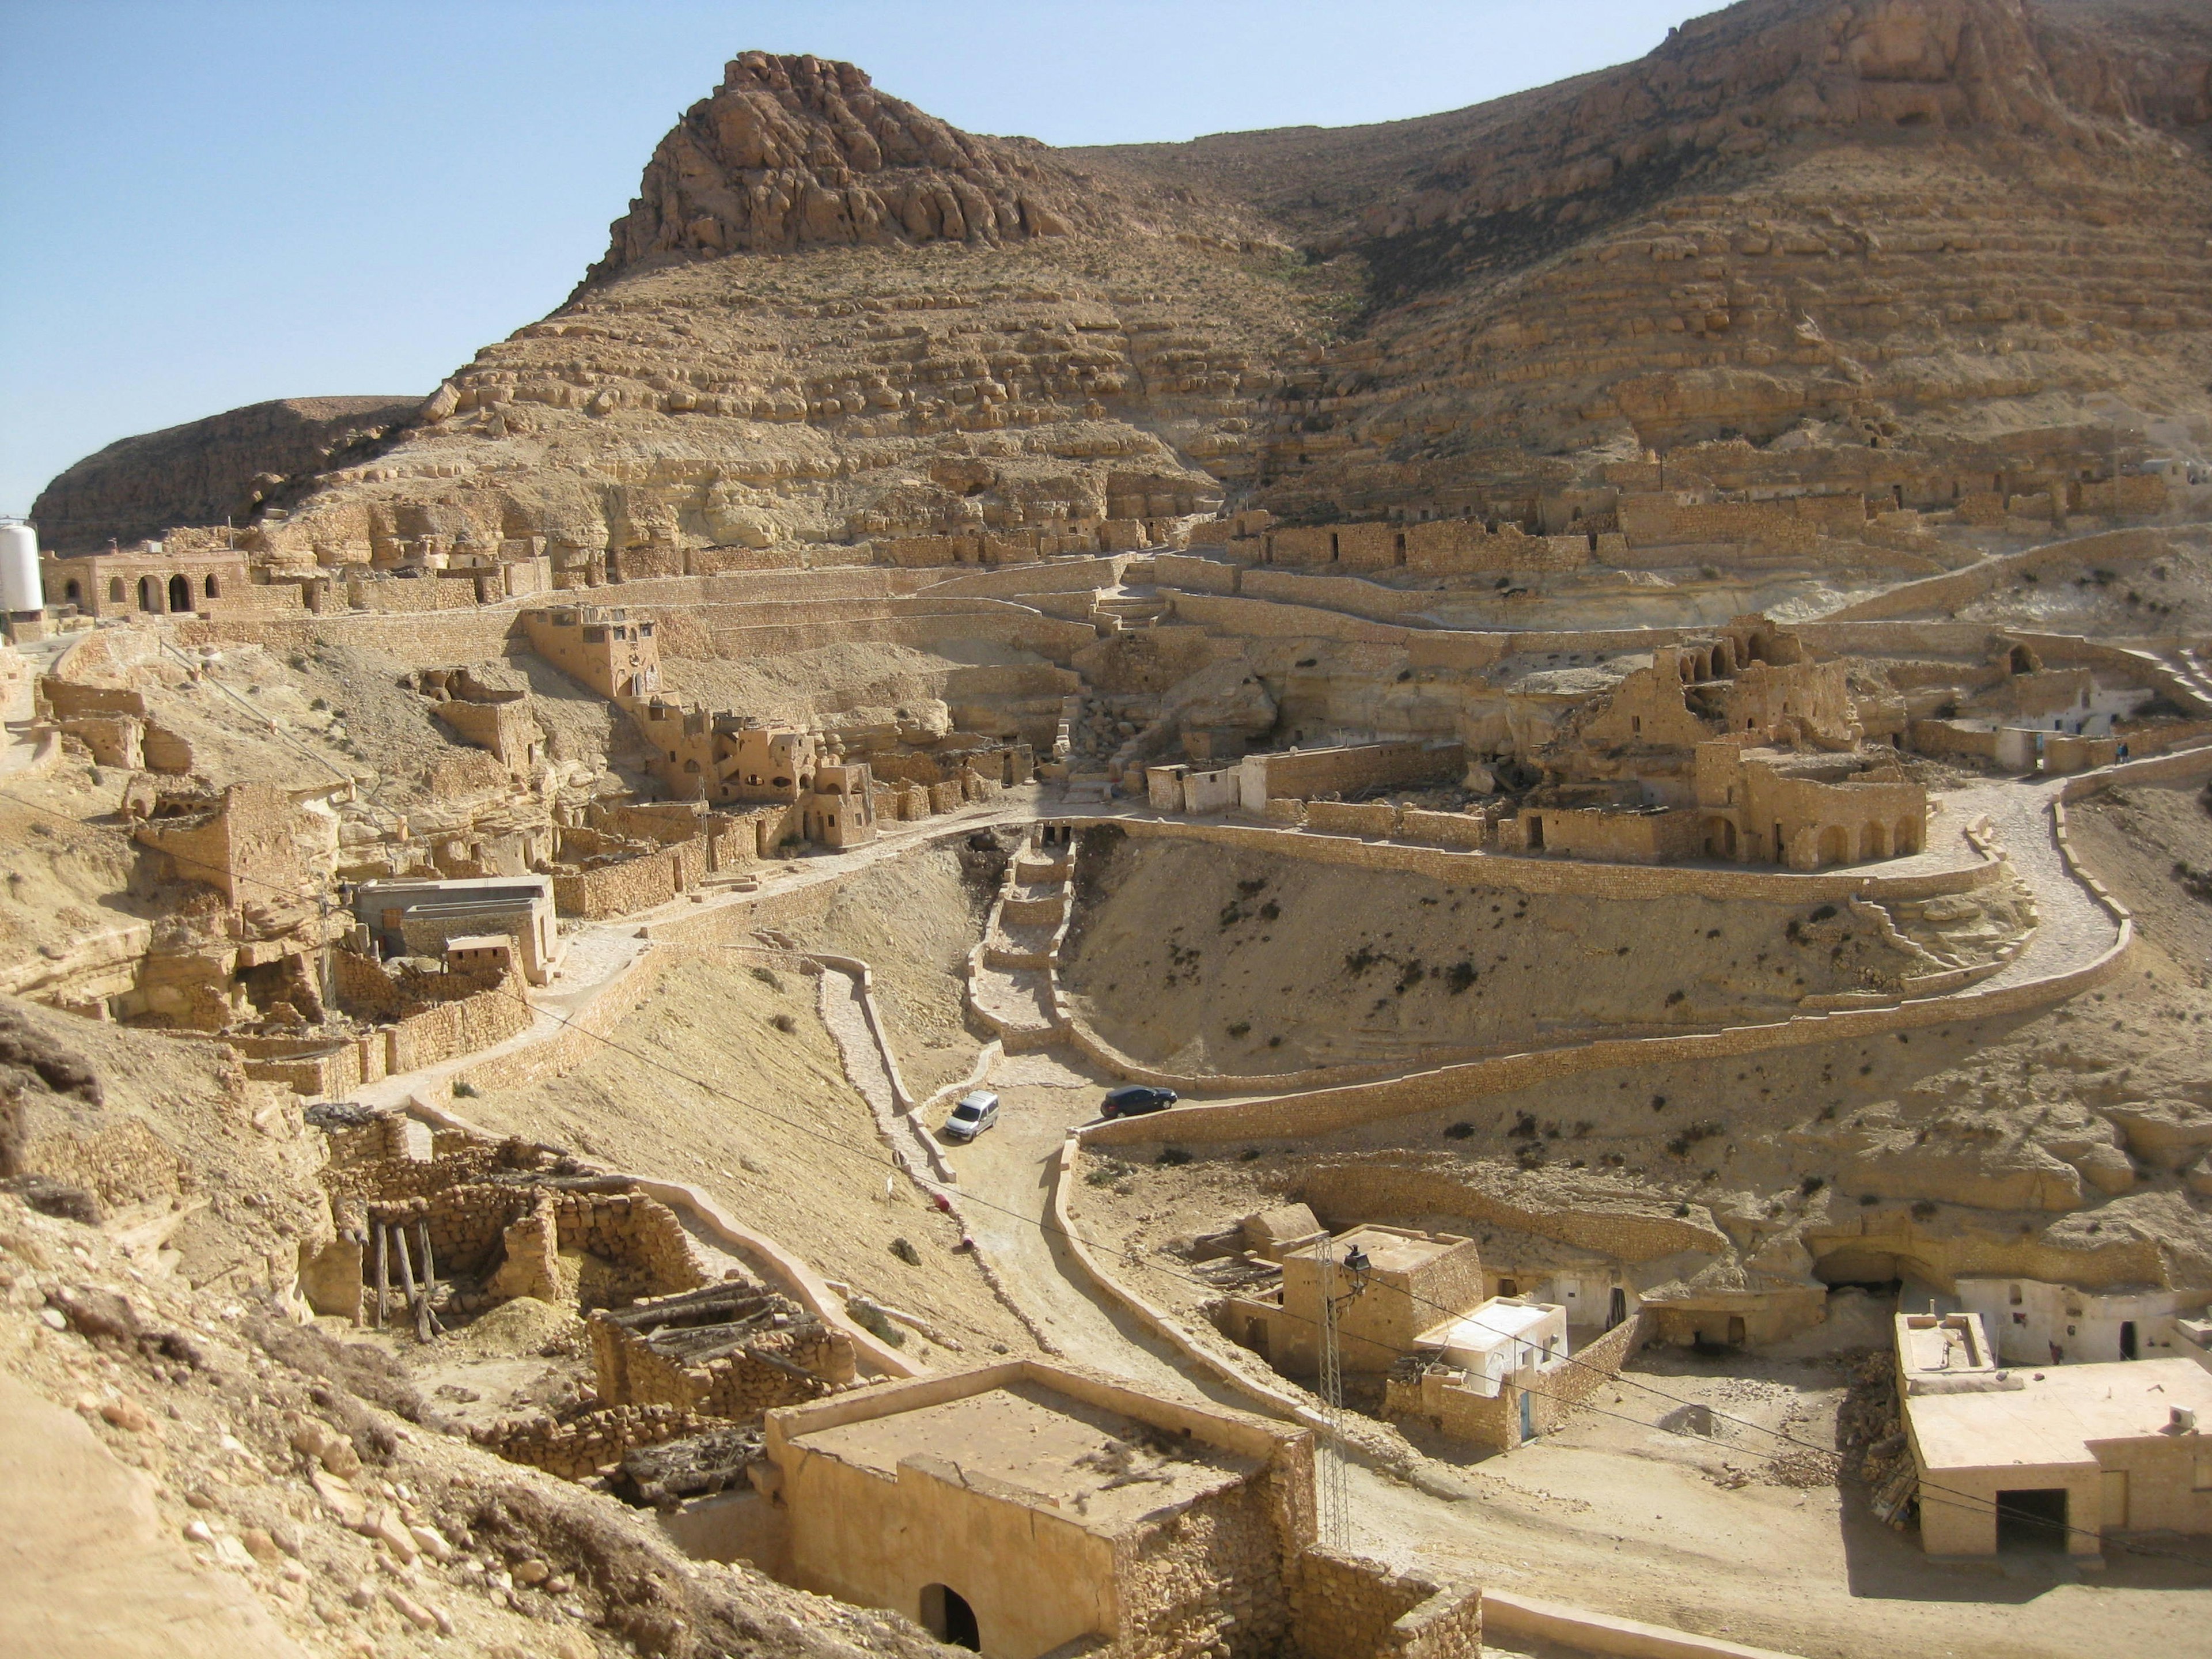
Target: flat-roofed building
x,y
409,917
2055,1457
1025,1509
1389,1284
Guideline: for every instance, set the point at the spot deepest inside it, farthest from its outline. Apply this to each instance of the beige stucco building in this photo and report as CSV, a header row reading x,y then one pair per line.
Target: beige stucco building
x,y
1026,1509
1410,1281
2050,1458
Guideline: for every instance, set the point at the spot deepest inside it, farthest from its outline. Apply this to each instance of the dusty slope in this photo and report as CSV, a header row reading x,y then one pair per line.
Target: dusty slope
x,y
913,919
1198,958
171,1422
705,1087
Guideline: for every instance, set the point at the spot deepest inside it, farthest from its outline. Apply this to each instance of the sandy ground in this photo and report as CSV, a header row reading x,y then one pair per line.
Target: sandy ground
x,y
705,1086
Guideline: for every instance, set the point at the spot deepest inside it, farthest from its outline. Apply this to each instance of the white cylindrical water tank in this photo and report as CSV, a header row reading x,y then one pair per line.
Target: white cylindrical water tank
x,y
19,586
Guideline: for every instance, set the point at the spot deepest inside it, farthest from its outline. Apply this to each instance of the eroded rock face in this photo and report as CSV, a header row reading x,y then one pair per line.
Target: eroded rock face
x,y
205,471
797,152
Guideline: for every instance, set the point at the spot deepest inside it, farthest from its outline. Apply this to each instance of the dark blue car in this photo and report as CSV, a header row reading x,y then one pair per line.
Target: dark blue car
x,y
1136,1099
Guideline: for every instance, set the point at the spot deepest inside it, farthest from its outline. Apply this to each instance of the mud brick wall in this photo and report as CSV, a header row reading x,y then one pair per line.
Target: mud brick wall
x,y
1324,771
1336,817
1204,575
1346,1606
419,594
580,1447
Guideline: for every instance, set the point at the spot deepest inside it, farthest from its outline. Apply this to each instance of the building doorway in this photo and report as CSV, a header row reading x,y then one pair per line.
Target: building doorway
x,y
1616,1312
2127,1339
150,596
1528,1415
2031,1520
180,594
946,1615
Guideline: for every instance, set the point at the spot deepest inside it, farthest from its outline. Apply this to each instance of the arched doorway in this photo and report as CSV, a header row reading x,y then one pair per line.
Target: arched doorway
x,y
946,1615
1720,838
1908,838
211,588
1874,842
149,594
180,593
1835,845
115,590
73,592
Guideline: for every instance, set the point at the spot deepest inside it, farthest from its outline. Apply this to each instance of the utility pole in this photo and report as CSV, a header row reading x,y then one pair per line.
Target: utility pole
x,y
1332,1496
1332,1488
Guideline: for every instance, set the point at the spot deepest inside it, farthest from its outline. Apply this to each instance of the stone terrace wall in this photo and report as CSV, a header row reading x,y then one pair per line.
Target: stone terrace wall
x,y
616,889
1346,1606
1946,593
453,1028
1573,877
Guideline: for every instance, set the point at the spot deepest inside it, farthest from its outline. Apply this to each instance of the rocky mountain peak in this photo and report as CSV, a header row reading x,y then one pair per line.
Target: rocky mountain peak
x,y
792,152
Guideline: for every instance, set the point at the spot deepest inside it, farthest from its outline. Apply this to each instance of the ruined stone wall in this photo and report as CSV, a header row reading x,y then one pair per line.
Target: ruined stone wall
x,y
1464,546
585,1445
1346,1606
467,1226
1466,831
1212,1577
639,1236
1362,766
1624,837
1335,818
739,1386
393,593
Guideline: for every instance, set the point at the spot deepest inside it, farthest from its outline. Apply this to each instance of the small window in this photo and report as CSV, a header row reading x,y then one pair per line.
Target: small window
x,y
115,590
2015,1296
2204,1482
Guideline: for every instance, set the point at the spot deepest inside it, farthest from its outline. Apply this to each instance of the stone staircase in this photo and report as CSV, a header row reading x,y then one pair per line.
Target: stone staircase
x,y
1011,974
1118,611
2195,673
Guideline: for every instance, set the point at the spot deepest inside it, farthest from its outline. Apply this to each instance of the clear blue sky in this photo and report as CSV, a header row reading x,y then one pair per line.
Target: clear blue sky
x,y
207,203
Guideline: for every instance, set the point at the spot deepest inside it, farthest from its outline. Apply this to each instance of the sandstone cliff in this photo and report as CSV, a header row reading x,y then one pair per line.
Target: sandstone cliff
x,y
799,152
1962,230
204,471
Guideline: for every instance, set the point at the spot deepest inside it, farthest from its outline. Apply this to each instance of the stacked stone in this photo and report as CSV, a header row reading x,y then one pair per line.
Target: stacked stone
x,y
1208,1582
639,1235
1348,1608
466,1223
587,1445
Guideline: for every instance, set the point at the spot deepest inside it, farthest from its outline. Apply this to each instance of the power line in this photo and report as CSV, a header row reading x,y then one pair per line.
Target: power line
x,y
1952,1496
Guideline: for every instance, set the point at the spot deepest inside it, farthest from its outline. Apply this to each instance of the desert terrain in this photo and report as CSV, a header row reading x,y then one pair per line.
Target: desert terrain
x,y
1612,689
